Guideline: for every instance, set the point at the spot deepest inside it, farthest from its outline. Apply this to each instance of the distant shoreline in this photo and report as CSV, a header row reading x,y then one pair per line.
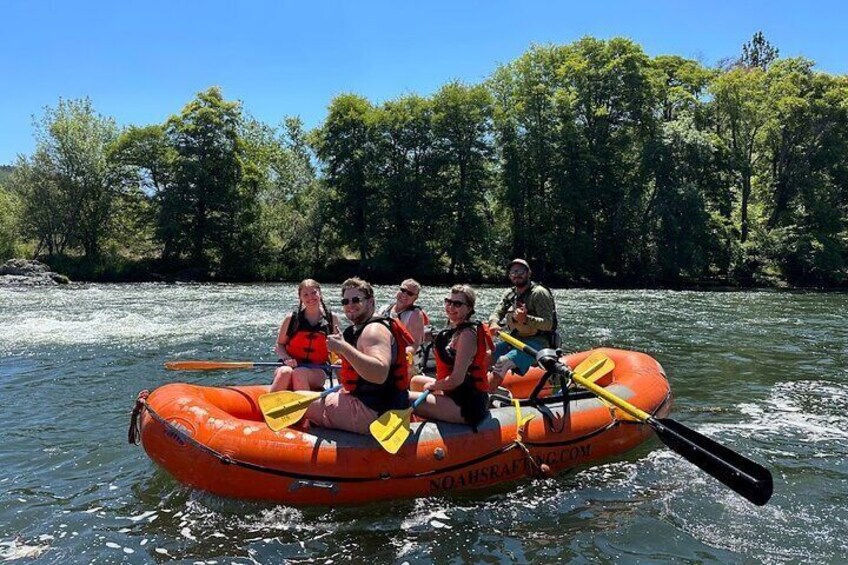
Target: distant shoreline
x,y
559,285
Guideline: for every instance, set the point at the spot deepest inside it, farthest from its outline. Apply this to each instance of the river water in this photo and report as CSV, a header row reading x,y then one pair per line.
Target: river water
x,y
764,373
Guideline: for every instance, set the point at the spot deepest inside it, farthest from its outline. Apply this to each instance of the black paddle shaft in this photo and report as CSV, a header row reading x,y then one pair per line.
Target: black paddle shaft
x,y
749,479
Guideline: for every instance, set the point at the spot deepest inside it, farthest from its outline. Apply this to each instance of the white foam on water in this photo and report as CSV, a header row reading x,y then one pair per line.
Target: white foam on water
x,y
143,515
279,518
407,546
16,549
795,413
763,531
427,515
806,411
125,316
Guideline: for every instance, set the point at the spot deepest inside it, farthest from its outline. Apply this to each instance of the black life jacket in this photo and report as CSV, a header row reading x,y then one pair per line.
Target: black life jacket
x,y
392,393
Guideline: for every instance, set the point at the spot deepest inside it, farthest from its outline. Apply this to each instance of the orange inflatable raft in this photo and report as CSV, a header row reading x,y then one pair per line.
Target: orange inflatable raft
x,y
215,439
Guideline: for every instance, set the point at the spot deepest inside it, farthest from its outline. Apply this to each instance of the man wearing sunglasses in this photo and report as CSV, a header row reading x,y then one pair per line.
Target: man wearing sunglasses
x,y
407,311
374,373
529,312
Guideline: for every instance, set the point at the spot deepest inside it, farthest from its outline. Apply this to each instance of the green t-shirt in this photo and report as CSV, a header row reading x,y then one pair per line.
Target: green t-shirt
x,y
540,311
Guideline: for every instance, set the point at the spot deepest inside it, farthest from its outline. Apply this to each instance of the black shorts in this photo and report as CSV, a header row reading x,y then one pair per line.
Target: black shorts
x,y
473,404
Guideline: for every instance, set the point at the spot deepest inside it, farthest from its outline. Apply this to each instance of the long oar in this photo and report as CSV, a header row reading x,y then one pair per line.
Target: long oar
x,y
749,479
215,365
283,408
392,428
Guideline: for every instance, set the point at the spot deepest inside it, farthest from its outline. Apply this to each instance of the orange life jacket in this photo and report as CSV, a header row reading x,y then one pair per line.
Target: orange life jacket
x,y
479,368
392,392
307,343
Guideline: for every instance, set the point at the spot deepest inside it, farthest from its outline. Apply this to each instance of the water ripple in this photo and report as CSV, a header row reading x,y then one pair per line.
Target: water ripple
x,y
764,373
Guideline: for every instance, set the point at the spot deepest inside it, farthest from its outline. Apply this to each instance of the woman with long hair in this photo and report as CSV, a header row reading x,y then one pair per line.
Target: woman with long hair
x,y
302,341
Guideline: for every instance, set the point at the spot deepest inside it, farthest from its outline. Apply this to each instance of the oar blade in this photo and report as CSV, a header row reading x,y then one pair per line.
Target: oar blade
x,y
595,366
207,365
391,429
751,480
284,408
746,477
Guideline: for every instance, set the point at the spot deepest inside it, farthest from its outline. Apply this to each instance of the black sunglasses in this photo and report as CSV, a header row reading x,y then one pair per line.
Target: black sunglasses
x,y
454,303
407,292
354,300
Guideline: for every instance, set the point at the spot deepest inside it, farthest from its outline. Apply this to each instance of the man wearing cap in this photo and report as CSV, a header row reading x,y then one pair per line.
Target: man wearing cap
x,y
528,310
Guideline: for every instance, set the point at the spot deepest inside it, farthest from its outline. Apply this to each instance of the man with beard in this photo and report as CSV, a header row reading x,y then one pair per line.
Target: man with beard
x,y
528,310
374,374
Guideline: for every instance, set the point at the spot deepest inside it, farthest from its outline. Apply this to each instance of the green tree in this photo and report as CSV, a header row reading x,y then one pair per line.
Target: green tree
x,y
10,210
293,207
679,239
681,86
462,130
145,154
344,145
68,187
613,99
537,142
741,111
804,184
5,173
144,160
758,53
312,200
406,195
209,211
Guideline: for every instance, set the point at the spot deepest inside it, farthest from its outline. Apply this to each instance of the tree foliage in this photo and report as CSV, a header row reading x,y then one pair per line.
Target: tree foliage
x,y
598,163
68,187
758,53
9,218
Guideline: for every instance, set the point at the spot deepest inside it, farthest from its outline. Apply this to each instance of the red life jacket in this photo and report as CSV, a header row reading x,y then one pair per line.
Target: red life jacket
x,y
307,343
398,378
479,368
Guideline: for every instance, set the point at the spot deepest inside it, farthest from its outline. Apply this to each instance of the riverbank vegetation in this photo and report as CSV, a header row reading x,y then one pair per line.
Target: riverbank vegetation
x,y
600,164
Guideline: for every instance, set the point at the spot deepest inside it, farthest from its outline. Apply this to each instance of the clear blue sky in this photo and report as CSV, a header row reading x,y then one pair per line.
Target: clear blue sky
x,y
140,62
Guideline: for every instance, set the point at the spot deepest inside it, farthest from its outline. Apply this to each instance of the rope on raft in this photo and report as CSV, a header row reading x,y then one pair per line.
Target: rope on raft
x,y
134,435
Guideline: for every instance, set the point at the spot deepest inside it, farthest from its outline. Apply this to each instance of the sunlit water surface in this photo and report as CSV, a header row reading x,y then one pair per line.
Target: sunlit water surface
x,y
764,373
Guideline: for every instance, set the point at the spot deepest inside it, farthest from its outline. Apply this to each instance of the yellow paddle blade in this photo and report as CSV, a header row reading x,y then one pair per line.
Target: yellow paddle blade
x,y
594,370
284,408
595,366
391,429
207,365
